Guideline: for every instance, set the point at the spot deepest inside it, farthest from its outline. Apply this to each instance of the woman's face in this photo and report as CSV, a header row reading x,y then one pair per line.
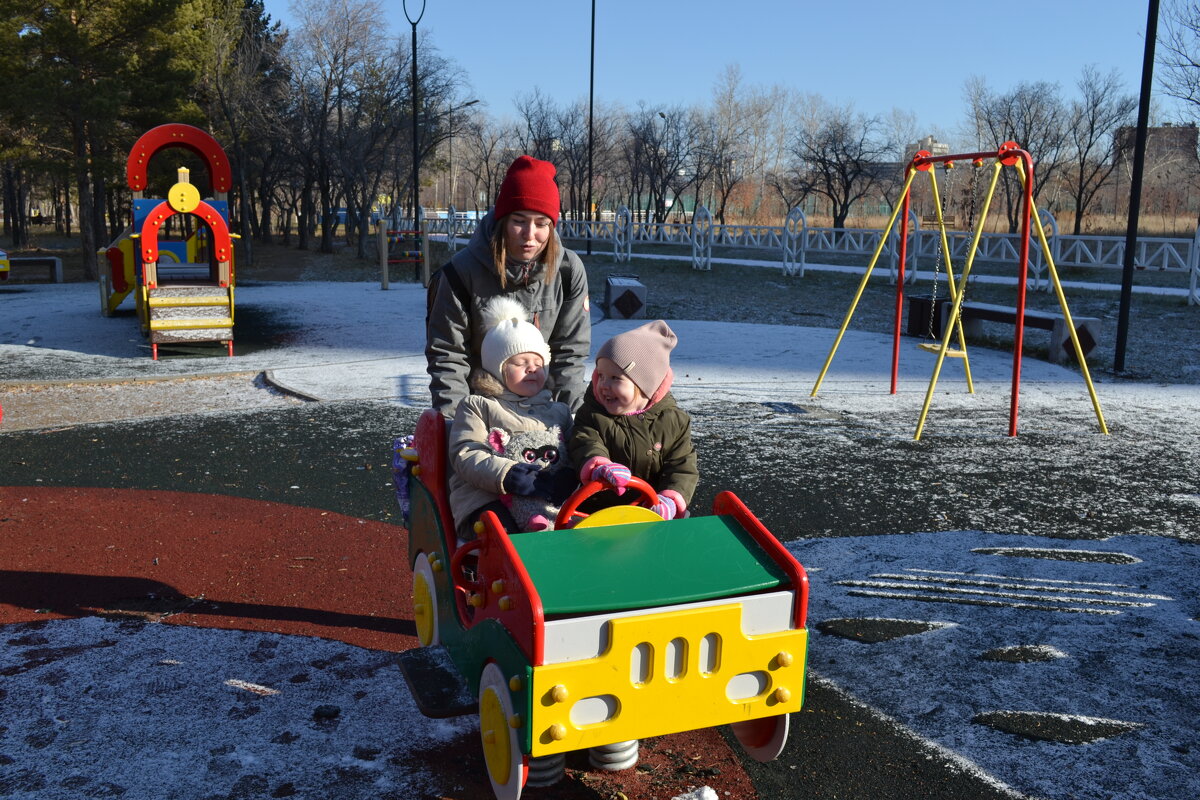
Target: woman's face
x,y
524,374
615,391
526,234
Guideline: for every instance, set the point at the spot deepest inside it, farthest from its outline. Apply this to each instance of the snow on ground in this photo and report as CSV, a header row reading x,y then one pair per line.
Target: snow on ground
x,y
1108,632
168,711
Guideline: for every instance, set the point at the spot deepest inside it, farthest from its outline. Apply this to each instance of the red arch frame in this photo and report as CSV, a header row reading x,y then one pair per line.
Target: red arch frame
x,y
148,243
176,134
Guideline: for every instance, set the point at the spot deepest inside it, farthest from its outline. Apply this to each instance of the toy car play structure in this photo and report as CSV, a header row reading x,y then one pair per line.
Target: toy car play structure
x,y
622,627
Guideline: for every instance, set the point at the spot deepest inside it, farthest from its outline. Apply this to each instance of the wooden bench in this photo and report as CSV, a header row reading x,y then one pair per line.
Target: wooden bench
x,y
930,221
1061,349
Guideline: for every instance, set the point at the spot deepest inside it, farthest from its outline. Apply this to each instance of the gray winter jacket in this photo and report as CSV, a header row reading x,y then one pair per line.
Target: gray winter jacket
x,y
454,334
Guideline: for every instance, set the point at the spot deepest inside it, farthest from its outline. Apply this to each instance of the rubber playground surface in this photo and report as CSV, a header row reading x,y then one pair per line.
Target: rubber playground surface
x,y
200,605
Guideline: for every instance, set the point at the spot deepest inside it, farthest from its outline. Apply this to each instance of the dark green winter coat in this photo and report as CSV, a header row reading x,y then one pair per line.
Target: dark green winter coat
x,y
655,444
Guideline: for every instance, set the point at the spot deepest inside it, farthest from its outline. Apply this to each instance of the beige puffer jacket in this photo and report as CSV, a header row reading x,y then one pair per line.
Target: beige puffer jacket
x,y
477,472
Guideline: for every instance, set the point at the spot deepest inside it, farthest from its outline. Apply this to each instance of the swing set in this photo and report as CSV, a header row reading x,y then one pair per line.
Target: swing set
x,y
1009,155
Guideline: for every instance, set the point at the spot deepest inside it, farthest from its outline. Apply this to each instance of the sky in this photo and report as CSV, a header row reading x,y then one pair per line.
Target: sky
x,y
875,54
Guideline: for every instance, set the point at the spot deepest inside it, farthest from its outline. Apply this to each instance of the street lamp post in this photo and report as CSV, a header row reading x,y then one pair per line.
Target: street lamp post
x,y
591,97
416,153
1135,186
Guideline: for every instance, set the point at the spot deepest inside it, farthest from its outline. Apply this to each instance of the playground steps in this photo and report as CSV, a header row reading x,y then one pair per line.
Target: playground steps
x,y
179,313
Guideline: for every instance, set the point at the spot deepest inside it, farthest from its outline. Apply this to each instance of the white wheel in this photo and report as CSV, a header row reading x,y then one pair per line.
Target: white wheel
x,y
424,602
762,739
506,765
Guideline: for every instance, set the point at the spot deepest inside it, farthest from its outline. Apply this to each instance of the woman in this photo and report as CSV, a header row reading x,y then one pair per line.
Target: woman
x,y
515,252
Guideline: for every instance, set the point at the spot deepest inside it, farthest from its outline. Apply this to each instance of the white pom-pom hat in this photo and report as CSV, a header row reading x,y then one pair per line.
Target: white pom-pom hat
x,y
509,333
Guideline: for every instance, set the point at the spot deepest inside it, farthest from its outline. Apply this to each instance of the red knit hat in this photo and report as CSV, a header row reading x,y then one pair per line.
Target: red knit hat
x,y
529,186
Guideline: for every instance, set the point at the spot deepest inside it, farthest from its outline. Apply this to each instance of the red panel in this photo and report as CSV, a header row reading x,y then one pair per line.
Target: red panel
x,y
149,232
176,134
524,619
222,243
727,503
116,268
433,450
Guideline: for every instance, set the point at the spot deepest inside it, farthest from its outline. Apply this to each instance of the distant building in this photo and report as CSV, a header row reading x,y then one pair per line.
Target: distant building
x,y
929,144
1164,144
1171,181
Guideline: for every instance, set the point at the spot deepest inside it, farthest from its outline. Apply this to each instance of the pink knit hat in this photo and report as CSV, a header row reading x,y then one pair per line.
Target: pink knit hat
x,y
644,354
528,186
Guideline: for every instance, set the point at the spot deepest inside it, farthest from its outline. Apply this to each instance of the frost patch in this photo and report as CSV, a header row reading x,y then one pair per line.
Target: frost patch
x,y
1050,727
873,630
1056,554
253,688
1024,654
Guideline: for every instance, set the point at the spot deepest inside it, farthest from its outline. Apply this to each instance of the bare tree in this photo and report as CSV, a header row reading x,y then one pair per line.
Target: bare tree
x,y
486,147
366,128
538,131
239,76
1033,116
1094,120
1179,52
571,124
791,112
901,131
330,47
736,125
660,153
837,157
608,121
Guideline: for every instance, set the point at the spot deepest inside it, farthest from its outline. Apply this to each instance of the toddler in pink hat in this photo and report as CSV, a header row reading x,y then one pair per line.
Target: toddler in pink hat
x,y
630,424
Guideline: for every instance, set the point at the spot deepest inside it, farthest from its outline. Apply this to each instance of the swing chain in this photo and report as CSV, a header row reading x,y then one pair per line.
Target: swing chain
x,y
976,168
937,261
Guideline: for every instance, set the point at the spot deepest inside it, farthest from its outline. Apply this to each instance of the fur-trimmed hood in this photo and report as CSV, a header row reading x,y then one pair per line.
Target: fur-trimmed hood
x,y
486,384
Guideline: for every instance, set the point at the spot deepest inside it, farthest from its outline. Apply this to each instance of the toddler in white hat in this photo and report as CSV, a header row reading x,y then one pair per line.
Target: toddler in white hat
x,y
507,441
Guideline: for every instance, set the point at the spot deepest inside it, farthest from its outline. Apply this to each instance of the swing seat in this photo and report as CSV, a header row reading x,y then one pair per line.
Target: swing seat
x,y
951,352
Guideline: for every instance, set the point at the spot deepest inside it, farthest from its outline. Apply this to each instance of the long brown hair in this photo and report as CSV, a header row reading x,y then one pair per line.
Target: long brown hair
x,y
549,256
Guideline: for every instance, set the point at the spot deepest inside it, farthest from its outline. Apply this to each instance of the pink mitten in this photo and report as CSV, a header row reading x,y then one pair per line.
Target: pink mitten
x,y
615,475
665,507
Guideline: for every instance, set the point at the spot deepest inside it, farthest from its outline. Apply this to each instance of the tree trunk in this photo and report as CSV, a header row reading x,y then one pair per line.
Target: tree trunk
x,y
364,225
68,215
260,222
247,241
87,217
11,212
302,222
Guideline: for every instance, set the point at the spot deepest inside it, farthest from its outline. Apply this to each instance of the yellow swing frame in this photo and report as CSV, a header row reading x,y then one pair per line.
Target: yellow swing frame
x,y
1010,155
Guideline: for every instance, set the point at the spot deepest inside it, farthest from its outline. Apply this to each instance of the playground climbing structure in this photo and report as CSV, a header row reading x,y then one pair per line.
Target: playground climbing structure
x,y
1009,155
176,257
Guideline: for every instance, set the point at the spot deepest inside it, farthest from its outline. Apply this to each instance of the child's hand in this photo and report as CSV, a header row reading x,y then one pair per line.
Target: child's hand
x,y
615,475
564,483
521,479
665,507
546,486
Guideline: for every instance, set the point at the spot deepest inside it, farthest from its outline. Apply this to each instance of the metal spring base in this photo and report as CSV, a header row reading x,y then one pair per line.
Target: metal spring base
x,y
613,757
546,770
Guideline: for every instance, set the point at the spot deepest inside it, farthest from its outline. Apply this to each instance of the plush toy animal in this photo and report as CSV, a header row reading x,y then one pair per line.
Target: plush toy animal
x,y
545,448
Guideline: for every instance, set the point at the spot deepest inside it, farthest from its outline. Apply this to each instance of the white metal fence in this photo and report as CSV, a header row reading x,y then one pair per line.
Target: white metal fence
x,y
796,243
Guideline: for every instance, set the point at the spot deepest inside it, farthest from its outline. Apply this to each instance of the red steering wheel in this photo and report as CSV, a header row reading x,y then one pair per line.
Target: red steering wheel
x,y
569,514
